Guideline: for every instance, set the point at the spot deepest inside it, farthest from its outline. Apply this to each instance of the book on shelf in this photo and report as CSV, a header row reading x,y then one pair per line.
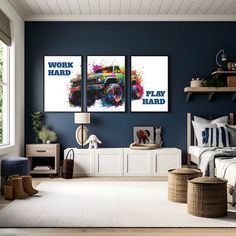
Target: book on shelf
x,y
42,168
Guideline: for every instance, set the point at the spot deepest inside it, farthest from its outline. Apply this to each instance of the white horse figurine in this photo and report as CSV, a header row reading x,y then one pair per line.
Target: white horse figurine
x,y
92,141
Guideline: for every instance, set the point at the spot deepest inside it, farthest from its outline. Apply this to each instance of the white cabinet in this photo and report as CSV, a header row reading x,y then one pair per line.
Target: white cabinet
x,y
109,162
125,161
83,162
164,159
137,162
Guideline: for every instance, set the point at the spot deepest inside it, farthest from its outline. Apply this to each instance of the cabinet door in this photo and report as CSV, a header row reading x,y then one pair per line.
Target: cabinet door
x,y
137,163
83,162
164,160
109,162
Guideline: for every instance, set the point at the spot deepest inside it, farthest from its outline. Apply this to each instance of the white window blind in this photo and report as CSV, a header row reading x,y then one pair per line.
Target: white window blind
x,y
5,30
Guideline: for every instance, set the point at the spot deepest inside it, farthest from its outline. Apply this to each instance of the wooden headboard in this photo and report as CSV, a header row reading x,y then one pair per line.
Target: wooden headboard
x,y
191,138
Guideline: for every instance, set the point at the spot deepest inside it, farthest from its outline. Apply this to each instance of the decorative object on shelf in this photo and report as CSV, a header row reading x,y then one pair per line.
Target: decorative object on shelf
x,y
37,123
62,83
222,55
93,141
106,83
46,135
143,135
231,81
215,81
149,84
231,66
81,133
158,140
196,82
138,146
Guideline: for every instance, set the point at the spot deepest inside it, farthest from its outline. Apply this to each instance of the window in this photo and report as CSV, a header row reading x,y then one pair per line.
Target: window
x,y
4,95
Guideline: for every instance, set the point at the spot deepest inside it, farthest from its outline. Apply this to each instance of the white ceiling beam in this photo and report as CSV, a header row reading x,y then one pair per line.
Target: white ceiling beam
x,y
145,7
44,7
203,8
194,7
132,18
94,5
21,7
63,4
105,7
84,7
125,7
214,7
32,4
175,6
165,6
54,7
135,6
155,7
74,6
185,7
115,7
228,7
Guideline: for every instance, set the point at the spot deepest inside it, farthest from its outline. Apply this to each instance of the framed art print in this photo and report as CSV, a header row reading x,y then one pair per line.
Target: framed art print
x,y
62,84
106,84
149,84
143,134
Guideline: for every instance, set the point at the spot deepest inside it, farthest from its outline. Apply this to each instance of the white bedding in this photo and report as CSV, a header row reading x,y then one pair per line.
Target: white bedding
x,y
225,168
196,150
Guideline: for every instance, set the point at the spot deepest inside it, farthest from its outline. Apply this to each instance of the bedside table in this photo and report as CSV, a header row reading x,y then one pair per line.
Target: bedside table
x,y
43,153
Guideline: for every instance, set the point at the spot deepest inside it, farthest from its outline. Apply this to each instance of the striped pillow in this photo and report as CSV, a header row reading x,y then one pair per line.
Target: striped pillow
x,y
215,137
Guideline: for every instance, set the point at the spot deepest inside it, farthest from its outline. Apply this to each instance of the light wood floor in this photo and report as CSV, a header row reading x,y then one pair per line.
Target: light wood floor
x,y
111,231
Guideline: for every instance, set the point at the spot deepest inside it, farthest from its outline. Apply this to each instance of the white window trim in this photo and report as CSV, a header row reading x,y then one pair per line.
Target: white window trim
x,y
10,147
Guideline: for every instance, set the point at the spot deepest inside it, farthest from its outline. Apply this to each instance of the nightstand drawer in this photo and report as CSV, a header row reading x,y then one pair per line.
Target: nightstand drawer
x,y
40,150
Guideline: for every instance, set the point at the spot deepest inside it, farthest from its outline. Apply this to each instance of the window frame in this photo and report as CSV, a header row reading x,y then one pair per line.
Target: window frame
x,y
9,145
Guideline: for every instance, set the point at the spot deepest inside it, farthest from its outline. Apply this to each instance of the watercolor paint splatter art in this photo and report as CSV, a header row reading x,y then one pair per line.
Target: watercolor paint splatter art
x,y
106,84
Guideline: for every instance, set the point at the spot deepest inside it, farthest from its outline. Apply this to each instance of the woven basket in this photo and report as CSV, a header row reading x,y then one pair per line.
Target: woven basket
x,y
207,197
177,183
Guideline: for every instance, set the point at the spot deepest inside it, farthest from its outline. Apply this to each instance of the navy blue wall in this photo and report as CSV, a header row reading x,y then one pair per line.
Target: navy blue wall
x,y
191,48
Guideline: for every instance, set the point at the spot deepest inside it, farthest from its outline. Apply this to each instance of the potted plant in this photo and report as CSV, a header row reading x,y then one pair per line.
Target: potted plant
x,y
37,123
215,81
47,135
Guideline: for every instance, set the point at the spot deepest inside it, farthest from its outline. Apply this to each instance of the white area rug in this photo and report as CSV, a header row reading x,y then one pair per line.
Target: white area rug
x,y
104,204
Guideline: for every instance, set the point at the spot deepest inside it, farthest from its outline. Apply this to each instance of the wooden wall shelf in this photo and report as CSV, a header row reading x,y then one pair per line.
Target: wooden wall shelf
x,y
223,72
210,90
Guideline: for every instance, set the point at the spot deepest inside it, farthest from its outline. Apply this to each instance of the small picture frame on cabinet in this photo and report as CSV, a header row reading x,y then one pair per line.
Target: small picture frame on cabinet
x,y
143,134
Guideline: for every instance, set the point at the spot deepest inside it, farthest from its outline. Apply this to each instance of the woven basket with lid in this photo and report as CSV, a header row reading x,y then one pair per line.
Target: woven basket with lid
x,y
207,197
177,183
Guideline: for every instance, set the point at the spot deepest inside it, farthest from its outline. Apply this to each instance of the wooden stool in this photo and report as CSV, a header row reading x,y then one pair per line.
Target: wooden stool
x,y
207,197
177,183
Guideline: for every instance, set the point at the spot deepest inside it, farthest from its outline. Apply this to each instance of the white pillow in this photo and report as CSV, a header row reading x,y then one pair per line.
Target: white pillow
x,y
223,120
199,128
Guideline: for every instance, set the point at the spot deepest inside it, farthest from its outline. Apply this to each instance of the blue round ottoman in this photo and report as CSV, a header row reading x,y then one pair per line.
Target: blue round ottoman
x,y
12,166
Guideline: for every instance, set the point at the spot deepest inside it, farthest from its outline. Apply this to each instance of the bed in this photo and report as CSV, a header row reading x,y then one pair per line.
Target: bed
x,y
221,160
193,149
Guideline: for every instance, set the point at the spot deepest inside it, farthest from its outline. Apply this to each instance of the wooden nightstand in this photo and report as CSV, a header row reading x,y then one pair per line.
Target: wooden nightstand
x,y
43,153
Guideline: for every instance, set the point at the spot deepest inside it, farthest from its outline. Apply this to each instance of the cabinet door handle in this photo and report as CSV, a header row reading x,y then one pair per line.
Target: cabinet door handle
x,y
41,151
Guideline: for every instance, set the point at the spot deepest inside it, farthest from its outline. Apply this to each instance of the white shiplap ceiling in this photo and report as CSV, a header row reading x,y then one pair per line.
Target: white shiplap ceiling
x,y
126,10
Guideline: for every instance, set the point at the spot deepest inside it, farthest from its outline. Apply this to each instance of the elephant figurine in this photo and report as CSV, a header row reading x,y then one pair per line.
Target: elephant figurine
x,y
143,136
